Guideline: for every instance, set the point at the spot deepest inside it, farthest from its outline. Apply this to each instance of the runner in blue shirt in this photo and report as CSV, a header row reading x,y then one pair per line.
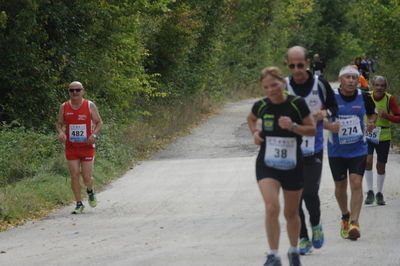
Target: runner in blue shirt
x,y
347,147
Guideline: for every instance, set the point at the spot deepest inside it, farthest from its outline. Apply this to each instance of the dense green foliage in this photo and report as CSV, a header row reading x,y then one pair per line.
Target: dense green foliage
x,y
22,153
146,63
132,54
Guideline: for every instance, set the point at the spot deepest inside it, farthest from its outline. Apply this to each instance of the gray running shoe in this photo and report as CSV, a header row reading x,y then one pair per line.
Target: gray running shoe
x,y
294,259
273,260
379,199
370,197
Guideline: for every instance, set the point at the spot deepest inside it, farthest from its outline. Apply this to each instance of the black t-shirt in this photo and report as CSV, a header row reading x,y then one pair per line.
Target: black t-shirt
x,y
368,101
294,107
304,89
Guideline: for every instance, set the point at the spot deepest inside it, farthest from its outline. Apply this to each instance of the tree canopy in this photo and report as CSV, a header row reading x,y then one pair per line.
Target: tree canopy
x,y
130,54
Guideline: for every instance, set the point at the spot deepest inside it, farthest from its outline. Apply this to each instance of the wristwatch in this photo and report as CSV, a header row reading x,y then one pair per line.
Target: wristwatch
x,y
294,126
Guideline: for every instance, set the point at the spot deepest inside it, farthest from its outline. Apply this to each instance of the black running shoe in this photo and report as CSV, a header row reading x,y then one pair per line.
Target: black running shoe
x,y
370,197
294,259
273,260
379,199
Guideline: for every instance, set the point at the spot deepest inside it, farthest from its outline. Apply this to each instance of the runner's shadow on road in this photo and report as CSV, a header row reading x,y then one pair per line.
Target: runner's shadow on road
x,y
373,206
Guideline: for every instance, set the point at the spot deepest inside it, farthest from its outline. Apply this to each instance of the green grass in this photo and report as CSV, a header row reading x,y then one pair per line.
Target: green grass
x,y
42,183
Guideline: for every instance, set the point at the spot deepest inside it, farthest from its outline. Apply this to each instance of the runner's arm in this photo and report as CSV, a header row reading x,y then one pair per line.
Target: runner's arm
x,y
61,124
252,123
330,102
332,126
97,121
368,103
307,128
371,121
394,108
370,111
363,82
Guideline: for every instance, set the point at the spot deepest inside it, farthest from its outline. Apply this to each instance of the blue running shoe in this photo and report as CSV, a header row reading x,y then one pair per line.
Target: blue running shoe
x,y
304,246
317,236
273,260
294,259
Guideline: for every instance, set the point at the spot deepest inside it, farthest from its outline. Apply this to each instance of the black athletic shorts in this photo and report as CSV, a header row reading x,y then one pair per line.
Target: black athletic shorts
x,y
382,150
289,179
339,166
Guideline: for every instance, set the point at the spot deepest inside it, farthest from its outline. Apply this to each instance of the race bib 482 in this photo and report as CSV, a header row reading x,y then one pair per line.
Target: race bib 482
x,y
77,133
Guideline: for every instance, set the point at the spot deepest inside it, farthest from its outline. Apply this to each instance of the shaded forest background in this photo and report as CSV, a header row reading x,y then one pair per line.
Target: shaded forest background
x,y
130,54
153,66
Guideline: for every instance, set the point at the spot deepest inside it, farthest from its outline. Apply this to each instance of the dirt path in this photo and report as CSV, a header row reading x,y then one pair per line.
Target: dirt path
x,y
197,203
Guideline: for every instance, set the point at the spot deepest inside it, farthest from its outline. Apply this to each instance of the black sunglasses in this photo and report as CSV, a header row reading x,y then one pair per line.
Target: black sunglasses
x,y
75,90
292,66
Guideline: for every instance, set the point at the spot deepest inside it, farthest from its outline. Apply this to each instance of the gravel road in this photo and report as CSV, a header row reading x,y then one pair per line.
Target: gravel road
x,y
197,203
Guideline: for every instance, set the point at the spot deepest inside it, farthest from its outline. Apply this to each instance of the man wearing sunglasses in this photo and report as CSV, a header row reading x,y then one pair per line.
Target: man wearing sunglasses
x,y
321,101
78,124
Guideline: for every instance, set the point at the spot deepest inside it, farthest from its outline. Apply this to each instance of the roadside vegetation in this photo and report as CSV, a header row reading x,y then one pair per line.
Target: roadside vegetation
x,y
154,69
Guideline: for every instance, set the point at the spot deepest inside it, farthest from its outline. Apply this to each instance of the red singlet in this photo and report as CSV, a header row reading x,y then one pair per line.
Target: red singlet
x,y
78,130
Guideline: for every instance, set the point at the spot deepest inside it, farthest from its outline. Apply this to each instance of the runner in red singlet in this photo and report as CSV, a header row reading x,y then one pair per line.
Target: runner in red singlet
x,y
78,124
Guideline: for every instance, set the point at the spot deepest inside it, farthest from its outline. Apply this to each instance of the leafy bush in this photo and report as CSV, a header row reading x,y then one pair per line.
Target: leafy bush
x,y
23,152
